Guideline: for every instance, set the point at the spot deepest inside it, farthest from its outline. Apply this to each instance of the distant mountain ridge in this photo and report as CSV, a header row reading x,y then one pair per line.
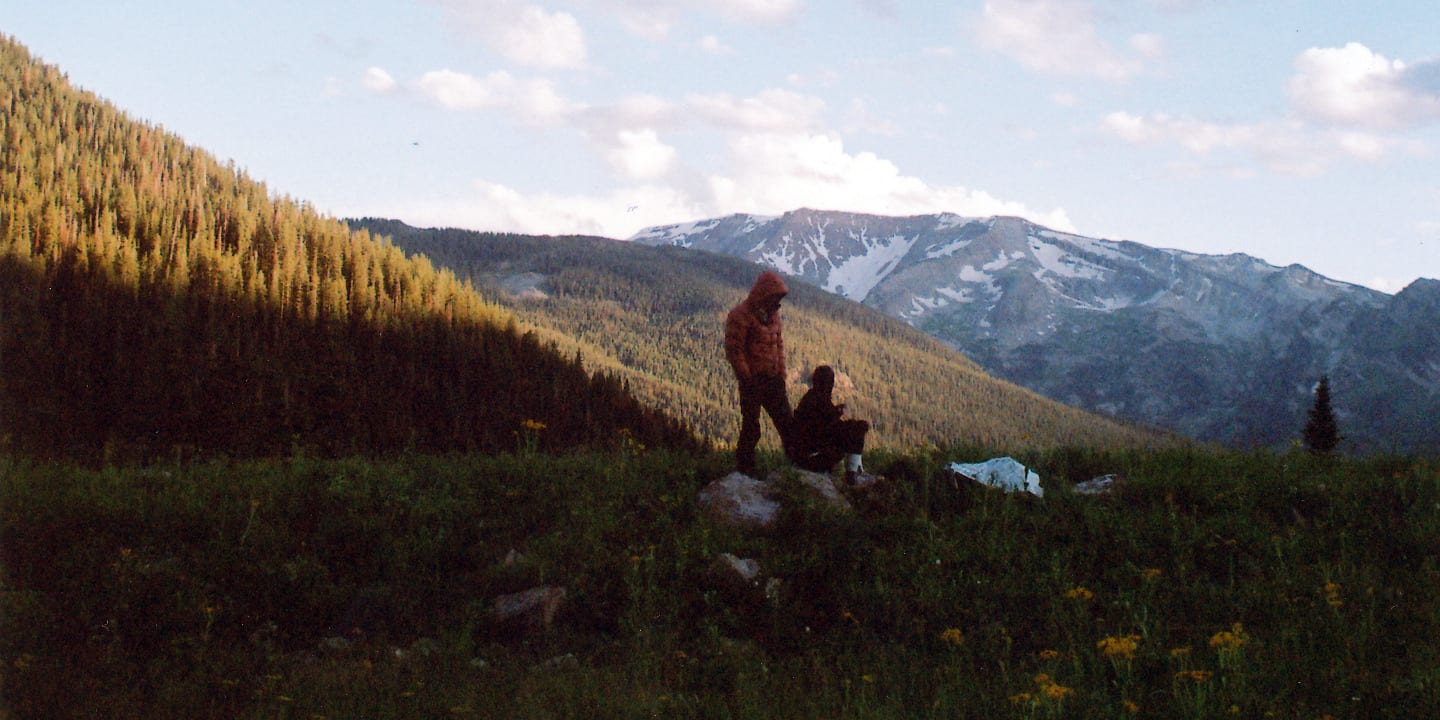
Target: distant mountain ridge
x,y
655,316
1223,348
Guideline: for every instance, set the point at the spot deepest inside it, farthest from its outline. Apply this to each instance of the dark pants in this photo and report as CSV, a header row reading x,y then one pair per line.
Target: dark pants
x,y
846,437
767,393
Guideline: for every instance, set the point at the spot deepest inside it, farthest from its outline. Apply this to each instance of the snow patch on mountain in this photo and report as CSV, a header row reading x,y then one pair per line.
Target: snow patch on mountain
x,y
753,222
1106,249
999,263
946,250
1054,259
857,275
680,234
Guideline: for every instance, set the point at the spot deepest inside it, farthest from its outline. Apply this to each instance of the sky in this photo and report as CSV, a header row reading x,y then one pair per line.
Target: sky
x,y
1295,131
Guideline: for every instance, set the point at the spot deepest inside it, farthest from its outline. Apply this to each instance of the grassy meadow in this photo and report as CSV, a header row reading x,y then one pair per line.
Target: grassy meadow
x,y
1213,584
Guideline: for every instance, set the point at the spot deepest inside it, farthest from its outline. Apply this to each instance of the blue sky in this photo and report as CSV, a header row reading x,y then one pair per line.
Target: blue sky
x,y
1295,131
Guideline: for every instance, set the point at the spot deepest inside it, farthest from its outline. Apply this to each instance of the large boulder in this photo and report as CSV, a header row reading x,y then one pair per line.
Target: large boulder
x,y
738,499
821,487
1004,473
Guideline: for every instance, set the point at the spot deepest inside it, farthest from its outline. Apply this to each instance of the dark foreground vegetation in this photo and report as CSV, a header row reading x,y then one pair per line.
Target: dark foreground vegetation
x,y
1211,585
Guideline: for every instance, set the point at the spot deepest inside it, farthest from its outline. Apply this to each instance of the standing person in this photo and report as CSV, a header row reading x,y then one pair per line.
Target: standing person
x,y
756,352
821,434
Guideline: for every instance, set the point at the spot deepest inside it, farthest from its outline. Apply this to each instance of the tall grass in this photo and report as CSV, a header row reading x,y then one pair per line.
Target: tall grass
x,y
1212,585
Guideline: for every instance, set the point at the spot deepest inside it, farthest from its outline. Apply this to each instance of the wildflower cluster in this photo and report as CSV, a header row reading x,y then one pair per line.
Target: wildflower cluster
x,y
1122,647
1051,689
953,637
1079,594
1230,641
1048,693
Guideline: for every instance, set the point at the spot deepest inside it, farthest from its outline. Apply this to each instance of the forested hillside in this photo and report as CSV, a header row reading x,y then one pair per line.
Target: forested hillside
x,y
156,301
655,315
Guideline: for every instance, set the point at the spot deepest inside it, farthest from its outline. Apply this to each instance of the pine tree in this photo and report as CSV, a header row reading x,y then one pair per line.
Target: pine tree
x,y
1322,434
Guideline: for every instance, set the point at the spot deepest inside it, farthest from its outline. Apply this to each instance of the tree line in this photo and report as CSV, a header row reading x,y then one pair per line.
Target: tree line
x,y
154,300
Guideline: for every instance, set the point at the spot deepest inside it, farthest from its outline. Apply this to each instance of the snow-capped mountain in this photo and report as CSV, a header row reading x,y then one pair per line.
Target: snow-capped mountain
x,y
1220,348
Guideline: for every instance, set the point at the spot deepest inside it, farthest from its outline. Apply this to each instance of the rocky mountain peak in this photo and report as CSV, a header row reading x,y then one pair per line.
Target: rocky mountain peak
x,y
1219,347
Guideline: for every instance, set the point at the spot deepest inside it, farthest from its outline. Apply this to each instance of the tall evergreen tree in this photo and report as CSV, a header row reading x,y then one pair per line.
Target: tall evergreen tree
x,y
1322,433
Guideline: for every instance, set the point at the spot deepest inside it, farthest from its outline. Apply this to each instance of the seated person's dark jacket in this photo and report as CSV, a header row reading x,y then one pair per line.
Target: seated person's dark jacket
x,y
819,436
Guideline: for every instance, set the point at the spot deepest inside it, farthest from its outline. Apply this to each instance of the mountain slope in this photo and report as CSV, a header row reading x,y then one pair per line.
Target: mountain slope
x,y
154,302
655,315
1223,348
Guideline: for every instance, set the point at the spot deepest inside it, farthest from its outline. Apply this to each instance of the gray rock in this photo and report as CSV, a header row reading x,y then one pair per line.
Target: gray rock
x,y
822,487
738,499
1103,485
533,609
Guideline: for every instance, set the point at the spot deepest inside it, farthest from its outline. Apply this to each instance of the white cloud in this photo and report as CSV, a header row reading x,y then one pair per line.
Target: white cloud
x,y
521,32
1059,37
1148,46
656,19
779,158
715,46
1285,147
771,110
496,207
773,173
766,173
640,155
377,80
1355,86
761,11
530,100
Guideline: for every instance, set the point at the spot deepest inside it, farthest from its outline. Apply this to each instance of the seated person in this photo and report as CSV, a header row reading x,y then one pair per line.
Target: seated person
x,y
821,435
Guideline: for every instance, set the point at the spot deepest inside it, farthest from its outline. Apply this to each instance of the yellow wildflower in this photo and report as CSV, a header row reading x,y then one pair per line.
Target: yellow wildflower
x,y
1121,647
1231,640
952,636
1051,689
1079,593
1131,706
1195,676
1058,692
1149,574
1023,698
1048,655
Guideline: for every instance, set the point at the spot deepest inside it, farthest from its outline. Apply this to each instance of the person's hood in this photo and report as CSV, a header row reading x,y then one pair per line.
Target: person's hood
x,y
767,287
823,379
